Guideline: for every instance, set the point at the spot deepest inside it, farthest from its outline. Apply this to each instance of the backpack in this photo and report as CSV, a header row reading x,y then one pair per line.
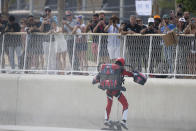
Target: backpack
x,y
110,77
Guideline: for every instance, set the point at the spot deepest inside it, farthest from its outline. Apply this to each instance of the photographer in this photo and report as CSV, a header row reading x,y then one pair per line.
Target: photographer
x,y
156,48
34,45
47,19
99,28
68,25
46,25
13,42
92,23
150,29
113,41
191,27
90,26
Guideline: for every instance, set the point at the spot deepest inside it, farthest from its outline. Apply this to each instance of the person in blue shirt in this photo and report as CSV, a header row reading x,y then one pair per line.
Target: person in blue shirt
x,y
164,28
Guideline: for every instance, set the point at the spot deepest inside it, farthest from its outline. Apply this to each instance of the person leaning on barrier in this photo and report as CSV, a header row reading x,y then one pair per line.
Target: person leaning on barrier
x,y
68,24
139,21
133,48
113,41
47,19
92,23
81,43
99,28
150,28
156,49
191,57
95,39
181,25
132,27
3,24
13,42
59,47
157,21
34,44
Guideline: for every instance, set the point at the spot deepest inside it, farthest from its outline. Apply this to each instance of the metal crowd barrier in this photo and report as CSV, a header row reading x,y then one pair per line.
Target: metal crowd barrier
x,y
83,53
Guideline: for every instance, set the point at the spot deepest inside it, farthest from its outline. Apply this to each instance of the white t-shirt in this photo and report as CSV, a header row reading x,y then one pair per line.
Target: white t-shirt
x,y
78,31
113,29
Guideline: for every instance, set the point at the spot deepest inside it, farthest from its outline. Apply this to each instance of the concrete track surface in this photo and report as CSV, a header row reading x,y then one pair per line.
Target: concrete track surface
x,y
74,104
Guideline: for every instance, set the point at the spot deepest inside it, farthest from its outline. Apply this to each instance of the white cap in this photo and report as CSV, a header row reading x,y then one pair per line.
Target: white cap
x,y
150,20
182,19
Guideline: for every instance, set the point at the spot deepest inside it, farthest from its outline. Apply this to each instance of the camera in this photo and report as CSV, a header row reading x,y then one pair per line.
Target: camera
x,y
44,16
101,18
150,24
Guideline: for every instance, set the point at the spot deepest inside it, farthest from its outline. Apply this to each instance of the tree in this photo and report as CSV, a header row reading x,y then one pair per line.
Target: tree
x,y
4,7
188,5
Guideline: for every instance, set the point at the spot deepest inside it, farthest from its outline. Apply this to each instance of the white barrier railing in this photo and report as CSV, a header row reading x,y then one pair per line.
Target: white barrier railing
x,y
67,53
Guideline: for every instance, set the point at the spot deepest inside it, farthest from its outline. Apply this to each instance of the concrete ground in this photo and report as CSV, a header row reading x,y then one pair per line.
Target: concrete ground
x,y
49,102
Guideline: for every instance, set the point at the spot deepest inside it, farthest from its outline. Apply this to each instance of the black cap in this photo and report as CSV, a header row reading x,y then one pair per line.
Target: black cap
x,y
29,16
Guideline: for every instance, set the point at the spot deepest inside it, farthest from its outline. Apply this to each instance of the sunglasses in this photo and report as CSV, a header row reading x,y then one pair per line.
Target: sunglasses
x,y
68,15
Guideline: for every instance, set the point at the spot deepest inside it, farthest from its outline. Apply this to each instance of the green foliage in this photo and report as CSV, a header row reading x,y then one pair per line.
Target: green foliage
x,y
188,5
10,2
169,4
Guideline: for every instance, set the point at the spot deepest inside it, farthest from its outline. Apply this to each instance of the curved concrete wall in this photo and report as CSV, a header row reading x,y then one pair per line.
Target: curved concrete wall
x,y
72,101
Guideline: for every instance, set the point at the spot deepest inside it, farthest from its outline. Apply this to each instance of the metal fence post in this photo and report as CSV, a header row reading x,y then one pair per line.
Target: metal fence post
x,y
124,46
48,62
73,55
99,47
176,60
2,51
25,55
149,56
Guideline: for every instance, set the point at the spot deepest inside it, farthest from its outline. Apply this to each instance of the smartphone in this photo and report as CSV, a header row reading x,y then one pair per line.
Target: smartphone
x,y
78,23
101,18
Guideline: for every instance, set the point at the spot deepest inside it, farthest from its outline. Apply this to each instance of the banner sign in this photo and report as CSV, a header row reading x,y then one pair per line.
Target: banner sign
x,y
143,7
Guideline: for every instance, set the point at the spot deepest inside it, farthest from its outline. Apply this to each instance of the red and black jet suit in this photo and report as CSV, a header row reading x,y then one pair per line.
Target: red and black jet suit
x,y
118,94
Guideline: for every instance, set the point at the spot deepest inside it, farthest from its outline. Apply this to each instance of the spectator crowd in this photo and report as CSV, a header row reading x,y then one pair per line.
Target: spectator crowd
x,y
181,22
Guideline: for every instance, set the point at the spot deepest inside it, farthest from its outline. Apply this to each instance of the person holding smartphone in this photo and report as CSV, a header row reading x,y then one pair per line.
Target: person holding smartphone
x,y
150,29
81,43
191,56
113,40
99,28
